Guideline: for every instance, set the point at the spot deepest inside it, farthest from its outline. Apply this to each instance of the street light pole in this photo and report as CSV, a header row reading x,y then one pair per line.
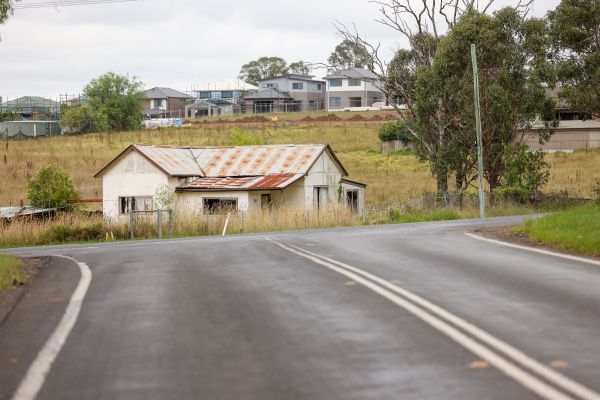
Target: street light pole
x,y
479,135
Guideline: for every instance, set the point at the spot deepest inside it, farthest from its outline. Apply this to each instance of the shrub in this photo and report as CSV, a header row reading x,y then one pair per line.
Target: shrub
x,y
51,187
394,130
83,119
64,234
237,137
525,173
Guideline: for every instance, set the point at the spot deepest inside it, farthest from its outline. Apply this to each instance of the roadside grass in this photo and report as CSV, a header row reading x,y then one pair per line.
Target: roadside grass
x,y
577,229
10,271
79,227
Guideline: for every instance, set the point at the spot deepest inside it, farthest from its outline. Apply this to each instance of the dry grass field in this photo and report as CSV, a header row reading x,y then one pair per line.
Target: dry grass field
x,y
391,179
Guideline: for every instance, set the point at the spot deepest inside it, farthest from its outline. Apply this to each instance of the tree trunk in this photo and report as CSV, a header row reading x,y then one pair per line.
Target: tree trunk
x,y
442,182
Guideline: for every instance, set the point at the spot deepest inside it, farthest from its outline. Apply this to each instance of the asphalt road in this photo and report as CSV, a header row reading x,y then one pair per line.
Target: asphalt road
x,y
416,311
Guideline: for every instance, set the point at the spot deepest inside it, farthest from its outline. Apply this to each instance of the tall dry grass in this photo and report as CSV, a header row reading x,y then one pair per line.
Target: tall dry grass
x,y
84,155
79,227
392,179
575,172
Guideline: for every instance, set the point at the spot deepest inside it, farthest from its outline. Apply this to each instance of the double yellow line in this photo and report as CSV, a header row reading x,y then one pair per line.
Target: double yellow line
x,y
535,376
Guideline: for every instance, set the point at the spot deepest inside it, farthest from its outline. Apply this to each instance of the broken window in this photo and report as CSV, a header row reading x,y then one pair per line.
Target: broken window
x,y
266,201
219,205
135,203
352,200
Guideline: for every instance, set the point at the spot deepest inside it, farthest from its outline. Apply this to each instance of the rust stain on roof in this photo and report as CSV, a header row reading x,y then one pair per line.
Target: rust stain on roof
x,y
267,182
233,161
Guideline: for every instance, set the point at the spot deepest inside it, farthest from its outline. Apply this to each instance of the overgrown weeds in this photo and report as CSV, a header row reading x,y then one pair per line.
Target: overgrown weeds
x,y
10,272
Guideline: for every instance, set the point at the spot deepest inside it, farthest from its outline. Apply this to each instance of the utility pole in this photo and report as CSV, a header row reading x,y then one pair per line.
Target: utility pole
x,y
479,135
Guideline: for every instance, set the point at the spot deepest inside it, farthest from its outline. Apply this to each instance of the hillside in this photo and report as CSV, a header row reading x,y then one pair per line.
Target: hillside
x,y
392,178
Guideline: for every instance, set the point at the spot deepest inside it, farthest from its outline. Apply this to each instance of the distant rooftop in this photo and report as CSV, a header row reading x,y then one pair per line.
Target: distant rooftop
x,y
300,77
352,73
165,93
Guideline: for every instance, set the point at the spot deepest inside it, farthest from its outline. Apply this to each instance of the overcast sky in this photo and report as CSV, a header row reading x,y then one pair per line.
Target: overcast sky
x,y
175,43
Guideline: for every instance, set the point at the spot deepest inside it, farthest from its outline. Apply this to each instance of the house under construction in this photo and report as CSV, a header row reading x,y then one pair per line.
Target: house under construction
x,y
32,108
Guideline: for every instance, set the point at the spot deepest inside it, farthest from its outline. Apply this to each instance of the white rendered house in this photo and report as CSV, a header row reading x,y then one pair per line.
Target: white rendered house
x,y
245,178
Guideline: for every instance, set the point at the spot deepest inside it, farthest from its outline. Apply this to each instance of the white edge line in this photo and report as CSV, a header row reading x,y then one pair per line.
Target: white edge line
x,y
36,374
524,378
533,249
517,355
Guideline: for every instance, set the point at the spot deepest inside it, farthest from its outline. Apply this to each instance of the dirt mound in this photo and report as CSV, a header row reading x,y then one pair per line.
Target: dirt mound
x,y
328,117
390,117
356,117
308,118
254,119
376,118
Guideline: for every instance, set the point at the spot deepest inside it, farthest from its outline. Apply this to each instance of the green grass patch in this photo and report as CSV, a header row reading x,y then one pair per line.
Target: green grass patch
x,y
10,271
577,229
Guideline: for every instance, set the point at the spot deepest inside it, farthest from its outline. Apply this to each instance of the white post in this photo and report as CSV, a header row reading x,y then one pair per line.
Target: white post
x,y
225,226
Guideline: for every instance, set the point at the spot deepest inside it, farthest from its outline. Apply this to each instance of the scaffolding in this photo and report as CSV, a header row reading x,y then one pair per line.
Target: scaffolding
x,y
33,108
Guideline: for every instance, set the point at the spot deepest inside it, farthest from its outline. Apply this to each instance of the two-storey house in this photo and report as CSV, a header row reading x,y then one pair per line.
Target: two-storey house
x,y
353,88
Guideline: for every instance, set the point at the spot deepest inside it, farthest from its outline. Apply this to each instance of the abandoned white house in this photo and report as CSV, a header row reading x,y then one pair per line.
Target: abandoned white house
x,y
246,178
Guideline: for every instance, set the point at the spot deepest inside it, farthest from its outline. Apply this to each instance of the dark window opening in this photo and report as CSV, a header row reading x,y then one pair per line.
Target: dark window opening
x,y
352,200
266,202
355,101
219,206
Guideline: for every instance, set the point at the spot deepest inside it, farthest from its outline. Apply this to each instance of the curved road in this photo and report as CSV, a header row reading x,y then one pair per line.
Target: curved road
x,y
415,311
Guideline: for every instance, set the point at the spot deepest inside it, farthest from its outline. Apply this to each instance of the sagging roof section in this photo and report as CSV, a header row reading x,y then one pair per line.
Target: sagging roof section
x,y
231,161
268,182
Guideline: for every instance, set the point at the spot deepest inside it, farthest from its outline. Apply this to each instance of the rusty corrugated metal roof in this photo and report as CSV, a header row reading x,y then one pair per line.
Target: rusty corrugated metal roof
x,y
267,182
234,161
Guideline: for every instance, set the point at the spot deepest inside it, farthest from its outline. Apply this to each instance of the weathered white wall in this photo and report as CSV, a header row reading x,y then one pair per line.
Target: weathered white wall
x,y
291,198
131,176
324,172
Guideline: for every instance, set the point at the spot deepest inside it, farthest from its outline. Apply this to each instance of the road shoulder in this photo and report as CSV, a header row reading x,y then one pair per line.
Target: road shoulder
x,y
507,235
31,313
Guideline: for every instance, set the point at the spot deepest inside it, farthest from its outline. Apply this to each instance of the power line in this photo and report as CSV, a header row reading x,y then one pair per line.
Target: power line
x,y
65,3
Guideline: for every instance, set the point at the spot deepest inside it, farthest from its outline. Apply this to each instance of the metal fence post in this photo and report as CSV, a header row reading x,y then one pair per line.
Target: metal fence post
x,y
159,222
131,224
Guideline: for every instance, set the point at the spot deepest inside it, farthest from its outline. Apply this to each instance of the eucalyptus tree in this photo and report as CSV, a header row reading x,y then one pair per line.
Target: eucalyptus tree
x,y
575,29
